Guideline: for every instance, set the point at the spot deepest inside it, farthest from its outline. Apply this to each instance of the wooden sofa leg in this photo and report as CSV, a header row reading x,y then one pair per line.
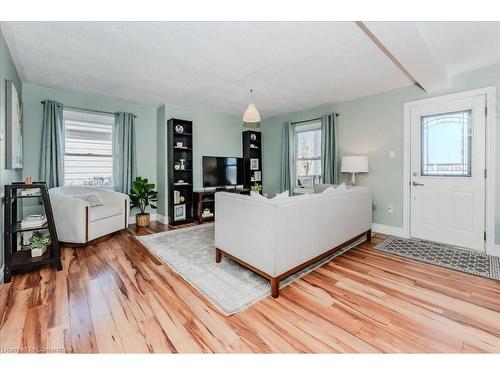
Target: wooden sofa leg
x,y
218,255
275,287
369,235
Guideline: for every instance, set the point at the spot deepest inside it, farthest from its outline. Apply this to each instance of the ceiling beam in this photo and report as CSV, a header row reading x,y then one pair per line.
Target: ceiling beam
x,y
403,44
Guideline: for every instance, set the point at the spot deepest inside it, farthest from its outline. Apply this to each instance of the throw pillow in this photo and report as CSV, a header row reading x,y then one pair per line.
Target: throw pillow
x,y
341,187
329,190
285,194
257,196
93,199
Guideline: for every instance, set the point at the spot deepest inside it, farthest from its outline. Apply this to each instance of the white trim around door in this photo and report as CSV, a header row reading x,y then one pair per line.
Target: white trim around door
x,y
490,94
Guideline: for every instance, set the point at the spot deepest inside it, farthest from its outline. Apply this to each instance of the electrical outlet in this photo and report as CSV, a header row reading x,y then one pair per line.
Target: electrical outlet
x,y
390,209
374,205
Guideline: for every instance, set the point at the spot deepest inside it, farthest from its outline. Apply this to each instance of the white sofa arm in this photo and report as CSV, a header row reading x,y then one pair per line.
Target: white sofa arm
x,y
64,207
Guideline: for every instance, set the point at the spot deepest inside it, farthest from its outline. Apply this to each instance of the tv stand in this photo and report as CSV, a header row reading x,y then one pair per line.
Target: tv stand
x,y
206,200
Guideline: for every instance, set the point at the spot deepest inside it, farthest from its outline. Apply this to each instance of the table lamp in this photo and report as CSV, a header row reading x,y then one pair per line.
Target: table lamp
x,y
354,164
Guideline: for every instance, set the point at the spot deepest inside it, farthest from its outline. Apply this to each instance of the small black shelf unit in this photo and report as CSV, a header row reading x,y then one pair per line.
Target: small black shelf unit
x,y
20,260
252,158
180,132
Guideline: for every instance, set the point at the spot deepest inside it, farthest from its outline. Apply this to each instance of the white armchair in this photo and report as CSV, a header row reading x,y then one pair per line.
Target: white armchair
x,y
77,222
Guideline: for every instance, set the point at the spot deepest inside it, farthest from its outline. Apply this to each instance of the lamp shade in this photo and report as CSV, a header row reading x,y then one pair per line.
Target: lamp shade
x,y
251,117
354,164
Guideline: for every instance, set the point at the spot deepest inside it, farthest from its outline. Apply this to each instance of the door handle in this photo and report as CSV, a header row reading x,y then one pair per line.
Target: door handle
x,y
414,183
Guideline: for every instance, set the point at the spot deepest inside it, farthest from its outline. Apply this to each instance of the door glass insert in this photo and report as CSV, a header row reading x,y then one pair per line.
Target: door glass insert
x,y
446,141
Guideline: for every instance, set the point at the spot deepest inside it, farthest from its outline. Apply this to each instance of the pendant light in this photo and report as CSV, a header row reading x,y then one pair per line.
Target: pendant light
x,y
251,117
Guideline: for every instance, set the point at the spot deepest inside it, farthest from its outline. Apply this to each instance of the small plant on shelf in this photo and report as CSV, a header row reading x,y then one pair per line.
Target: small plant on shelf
x,y
142,195
256,188
38,243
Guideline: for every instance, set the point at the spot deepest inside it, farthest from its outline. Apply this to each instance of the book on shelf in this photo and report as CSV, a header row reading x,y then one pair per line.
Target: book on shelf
x,y
33,221
30,192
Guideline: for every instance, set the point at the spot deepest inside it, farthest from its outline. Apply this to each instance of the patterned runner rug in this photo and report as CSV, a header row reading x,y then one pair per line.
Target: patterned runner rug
x,y
448,256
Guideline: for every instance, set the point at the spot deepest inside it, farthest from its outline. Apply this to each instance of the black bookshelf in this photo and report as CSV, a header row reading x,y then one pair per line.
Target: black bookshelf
x,y
252,150
180,131
19,259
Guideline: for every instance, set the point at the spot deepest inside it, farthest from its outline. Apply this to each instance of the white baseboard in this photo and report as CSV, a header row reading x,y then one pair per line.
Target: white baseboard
x,y
153,217
388,229
495,252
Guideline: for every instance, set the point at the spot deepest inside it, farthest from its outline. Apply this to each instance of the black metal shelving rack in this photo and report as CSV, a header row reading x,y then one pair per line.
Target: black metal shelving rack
x,y
21,260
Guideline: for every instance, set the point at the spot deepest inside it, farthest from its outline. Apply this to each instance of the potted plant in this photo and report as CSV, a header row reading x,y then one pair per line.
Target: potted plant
x,y
256,187
142,195
38,244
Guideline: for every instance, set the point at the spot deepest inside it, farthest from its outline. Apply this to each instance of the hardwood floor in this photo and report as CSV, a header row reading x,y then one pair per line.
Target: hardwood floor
x,y
116,297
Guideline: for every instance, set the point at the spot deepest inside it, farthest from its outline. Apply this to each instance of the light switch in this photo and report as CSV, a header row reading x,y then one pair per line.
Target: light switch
x,y
392,154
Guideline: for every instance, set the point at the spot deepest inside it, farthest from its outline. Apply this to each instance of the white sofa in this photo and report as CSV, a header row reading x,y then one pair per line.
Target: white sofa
x,y
79,223
277,237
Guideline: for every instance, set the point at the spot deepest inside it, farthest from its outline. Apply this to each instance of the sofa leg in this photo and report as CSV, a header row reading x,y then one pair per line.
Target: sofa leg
x,y
275,287
369,235
218,255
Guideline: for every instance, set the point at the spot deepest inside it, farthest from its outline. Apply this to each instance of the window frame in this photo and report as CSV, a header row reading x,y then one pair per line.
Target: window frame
x,y
89,117
304,127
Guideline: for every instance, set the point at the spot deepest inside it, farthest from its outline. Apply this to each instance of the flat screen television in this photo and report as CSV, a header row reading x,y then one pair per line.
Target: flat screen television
x,y
222,171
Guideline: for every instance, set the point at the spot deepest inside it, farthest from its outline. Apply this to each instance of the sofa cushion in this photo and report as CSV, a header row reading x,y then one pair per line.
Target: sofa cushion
x,y
93,199
319,188
105,211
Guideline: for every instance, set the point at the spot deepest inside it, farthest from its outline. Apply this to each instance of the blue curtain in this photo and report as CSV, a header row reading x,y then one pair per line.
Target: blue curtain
x,y
124,154
329,155
286,171
52,151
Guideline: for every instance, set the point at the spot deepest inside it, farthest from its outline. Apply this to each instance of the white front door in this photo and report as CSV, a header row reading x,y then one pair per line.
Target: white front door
x,y
448,172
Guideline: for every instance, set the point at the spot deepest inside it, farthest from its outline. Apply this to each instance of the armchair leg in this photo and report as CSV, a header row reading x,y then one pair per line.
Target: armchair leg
x,y
275,287
369,235
218,255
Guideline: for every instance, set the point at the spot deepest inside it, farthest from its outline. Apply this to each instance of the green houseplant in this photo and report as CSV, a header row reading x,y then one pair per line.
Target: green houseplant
x,y
256,187
142,195
38,244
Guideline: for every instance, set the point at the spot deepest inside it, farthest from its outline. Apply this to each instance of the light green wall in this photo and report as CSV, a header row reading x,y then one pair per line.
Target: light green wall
x,y
373,126
145,126
214,134
7,72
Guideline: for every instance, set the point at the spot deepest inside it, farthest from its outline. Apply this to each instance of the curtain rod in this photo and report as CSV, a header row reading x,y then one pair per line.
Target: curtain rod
x,y
86,109
313,119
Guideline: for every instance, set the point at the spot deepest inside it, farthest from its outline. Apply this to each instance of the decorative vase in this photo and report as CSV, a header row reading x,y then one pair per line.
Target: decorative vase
x,y
142,220
177,166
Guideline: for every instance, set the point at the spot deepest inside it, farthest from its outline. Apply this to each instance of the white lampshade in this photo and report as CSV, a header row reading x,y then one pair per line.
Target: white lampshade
x,y
354,164
251,117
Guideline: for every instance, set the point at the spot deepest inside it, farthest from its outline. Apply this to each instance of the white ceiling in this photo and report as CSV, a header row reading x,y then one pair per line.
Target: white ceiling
x,y
212,65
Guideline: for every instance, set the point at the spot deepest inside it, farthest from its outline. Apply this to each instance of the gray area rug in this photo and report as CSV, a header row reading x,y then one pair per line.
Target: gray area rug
x,y
190,252
448,256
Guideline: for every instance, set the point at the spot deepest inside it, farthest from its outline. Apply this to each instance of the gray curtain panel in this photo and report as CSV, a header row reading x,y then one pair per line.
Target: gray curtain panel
x,y
52,151
286,178
124,154
329,154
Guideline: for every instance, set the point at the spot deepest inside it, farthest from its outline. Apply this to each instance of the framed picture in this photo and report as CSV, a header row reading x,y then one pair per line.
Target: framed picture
x,y
254,164
180,212
14,114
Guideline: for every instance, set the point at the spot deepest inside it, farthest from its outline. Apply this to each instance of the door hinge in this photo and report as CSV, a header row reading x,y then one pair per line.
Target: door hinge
x,y
485,235
485,111
485,173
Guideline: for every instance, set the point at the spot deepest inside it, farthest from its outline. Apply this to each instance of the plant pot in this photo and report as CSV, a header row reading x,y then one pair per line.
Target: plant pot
x,y
142,220
38,252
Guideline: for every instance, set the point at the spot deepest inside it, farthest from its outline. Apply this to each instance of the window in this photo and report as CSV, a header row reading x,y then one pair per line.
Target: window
x,y
446,144
307,155
88,149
